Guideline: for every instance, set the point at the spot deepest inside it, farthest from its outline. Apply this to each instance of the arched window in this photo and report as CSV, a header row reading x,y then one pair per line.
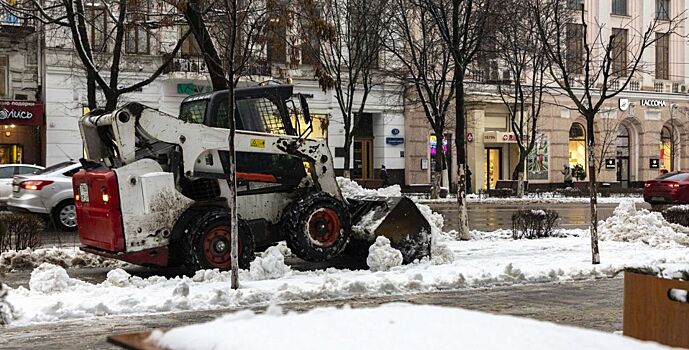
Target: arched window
x,y
577,146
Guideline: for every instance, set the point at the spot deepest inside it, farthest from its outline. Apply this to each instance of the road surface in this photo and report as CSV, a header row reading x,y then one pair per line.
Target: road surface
x,y
593,304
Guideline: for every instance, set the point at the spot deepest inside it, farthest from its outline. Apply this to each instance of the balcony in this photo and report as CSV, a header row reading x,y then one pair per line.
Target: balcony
x,y
12,26
190,64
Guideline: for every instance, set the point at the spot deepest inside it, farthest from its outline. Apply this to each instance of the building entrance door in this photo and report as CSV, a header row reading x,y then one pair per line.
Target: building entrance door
x,y
11,154
623,171
623,156
363,159
492,167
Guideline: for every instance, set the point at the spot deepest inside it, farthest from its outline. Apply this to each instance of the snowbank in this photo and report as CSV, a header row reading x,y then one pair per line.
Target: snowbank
x,y
350,188
469,264
627,224
49,279
543,199
65,257
383,257
391,326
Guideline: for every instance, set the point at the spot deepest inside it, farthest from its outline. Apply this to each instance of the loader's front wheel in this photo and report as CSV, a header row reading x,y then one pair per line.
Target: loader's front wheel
x,y
208,242
317,227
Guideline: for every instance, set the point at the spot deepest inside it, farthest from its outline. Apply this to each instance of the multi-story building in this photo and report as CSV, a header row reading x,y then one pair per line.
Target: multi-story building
x,y
22,127
647,125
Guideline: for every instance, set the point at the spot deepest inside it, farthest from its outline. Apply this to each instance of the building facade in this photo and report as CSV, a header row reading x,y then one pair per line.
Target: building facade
x,y
641,132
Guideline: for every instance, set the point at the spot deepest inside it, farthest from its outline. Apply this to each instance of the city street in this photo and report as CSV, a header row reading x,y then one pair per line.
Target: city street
x,y
591,304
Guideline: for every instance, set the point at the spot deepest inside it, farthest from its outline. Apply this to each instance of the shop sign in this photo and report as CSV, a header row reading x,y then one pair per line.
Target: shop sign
x,y
624,104
395,131
192,89
655,163
499,137
610,163
653,103
394,140
21,112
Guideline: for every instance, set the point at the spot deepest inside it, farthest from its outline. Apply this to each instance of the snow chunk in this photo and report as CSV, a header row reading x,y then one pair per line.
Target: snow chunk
x,y
118,278
65,257
49,278
391,326
631,225
381,256
440,252
271,264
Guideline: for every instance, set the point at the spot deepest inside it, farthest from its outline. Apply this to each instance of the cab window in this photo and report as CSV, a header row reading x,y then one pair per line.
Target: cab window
x,y
193,111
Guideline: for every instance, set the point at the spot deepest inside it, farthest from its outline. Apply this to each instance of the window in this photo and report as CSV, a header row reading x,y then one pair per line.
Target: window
x,y
575,4
619,52
619,7
6,172
137,40
310,50
98,26
27,170
276,49
663,10
577,146
193,111
662,56
4,76
575,48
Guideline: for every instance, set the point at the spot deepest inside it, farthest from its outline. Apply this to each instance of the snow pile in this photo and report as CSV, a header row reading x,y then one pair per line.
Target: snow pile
x,y
6,309
65,257
350,188
118,278
383,257
271,263
440,250
49,279
391,326
631,225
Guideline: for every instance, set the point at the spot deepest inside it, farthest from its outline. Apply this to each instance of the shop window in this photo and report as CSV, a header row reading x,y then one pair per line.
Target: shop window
x,y
577,146
433,146
669,144
319,123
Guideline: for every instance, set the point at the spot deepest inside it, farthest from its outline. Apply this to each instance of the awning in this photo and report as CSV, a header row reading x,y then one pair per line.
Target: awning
x,y
21,112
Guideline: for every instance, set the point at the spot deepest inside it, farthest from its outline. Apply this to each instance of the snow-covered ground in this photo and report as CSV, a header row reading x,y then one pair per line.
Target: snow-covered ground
x,y
545,198
392,326
65,257
630,238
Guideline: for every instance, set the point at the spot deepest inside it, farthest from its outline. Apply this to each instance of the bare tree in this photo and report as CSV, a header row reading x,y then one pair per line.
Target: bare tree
x,y
591,64
345,40
100,34
425,66
520,49
463,30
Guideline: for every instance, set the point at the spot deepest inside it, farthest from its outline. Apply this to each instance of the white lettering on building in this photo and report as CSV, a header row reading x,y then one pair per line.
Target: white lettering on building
x,y
653,103
5,114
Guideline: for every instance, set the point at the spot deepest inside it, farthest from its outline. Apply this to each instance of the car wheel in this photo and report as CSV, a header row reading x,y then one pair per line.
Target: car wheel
x,y
65,216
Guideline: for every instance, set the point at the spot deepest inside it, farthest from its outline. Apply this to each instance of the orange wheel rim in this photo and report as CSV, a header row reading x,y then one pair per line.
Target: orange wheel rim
x,y
324,227
217,247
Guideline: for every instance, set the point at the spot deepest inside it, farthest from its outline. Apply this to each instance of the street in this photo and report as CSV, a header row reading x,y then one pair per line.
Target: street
x,y
593,304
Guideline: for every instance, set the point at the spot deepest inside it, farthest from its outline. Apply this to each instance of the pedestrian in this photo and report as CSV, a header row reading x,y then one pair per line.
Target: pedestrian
x,y
384,176
663,171
468,177
567,172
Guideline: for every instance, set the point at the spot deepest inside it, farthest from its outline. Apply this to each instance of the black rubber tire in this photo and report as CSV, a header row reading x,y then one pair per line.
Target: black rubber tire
x,y
295,225
55,216
198,232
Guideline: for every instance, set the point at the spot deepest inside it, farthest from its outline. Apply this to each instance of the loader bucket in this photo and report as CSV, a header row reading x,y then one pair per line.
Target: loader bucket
x,y
396,218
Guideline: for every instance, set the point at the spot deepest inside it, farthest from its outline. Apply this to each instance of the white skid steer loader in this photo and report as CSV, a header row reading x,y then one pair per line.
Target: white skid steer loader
x,y
153,193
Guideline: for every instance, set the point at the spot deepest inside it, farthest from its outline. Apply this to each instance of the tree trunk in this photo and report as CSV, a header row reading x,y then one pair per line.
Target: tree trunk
x,y
518,174
111,102
347,153
438,175
593,189
91,91
463,220
210,54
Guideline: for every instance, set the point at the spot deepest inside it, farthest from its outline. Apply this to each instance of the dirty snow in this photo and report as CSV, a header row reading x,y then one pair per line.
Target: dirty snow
x,y
544,198
470,264
350,188
271,263
383,257
391,326
628,224
65,257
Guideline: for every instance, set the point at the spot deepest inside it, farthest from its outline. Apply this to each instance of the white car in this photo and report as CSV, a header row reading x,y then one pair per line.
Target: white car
x,y
47,193
7,172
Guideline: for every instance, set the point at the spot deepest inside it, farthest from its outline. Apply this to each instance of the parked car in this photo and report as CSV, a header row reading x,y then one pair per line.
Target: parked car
x,y
670,188
47,193
7,173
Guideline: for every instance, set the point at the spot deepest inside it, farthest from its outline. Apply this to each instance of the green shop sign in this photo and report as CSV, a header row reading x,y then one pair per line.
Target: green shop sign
x,y
192,89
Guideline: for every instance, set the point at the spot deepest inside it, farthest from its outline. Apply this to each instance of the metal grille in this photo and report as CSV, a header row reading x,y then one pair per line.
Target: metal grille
x,y
271,116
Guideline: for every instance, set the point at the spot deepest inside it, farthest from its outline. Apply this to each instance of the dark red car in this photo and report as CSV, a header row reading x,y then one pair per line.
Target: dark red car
x,y
668,188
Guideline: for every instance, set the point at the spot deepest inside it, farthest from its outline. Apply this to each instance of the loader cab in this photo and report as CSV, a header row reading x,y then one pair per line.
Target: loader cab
x,y
260,109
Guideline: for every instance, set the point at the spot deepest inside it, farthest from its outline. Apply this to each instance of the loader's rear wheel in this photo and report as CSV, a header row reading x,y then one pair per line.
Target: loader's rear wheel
x,y
208,242
317,227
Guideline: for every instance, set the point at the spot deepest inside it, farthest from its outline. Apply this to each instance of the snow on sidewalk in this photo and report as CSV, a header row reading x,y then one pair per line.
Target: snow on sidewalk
x,y
482,263
391,326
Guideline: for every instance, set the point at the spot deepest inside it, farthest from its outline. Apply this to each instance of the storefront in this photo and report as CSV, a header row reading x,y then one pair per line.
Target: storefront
x,y
21,132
